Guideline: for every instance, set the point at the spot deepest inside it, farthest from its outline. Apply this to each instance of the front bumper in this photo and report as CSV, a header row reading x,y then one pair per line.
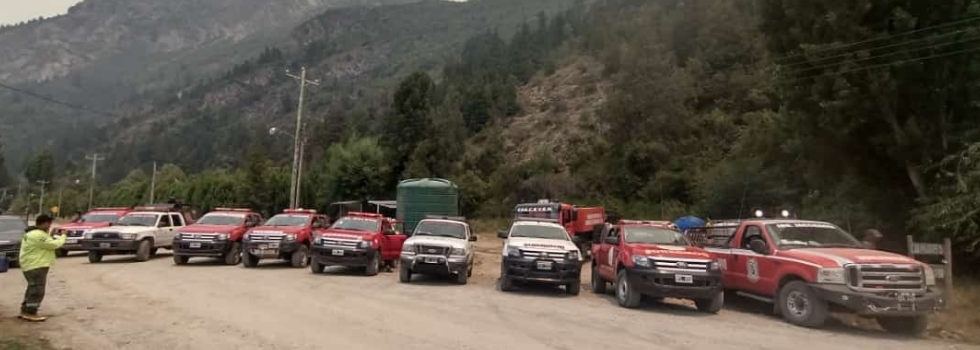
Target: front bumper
x,y
213,249
109,246
880,304
343,255
529,270
11,255
269,249
667,284
436,264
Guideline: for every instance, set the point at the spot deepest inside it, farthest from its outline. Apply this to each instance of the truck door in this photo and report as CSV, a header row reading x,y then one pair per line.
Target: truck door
x,y
164,230
608,254
722,251
748,267
392,241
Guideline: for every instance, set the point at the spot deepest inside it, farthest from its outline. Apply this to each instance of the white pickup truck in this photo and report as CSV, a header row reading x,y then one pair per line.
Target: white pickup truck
x,y
141,232
439,246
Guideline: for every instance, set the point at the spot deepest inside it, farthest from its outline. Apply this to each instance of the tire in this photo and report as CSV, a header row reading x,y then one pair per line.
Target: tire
x,y
181,260
143,251
505,282
61,253
462,277
801,306
301,257
373,266
234,255
94,257
316,267
712,305
626,295
573,288
909,325
598,284
249,260
404,274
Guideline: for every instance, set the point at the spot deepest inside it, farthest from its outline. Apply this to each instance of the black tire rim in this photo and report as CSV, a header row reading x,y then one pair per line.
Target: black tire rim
x,y
798,304
622,289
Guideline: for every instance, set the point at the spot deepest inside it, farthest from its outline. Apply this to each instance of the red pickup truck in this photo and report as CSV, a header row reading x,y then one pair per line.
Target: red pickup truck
x,y
285,236
652,258
217,234
75,230
359,240
807,268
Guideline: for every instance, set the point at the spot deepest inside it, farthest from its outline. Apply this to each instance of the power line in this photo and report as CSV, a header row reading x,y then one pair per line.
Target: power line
x,y
876,48
789,81
885,55
888,37
66,104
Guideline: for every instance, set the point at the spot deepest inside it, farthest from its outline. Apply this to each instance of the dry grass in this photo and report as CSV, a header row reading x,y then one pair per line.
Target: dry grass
x,y
960,320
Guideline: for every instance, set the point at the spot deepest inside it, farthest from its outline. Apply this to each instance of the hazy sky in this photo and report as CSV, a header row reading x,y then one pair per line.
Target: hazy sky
x,y
13,11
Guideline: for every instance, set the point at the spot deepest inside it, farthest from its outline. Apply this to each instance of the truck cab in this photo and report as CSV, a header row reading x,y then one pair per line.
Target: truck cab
x,y
75,230
140,232
808,268
364,240
539,251
440,245
12,230
579,222
654,259
217,234
286,236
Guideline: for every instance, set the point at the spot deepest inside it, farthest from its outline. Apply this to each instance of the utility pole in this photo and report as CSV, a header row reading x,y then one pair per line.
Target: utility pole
x,y
95,158
40,201
294,182
299,175
153,182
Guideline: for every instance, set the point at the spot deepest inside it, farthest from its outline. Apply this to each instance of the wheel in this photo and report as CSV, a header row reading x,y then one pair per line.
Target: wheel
x,y
300,257
598,284
573,288
461,277
908,325
153,252
506,283
316,267
143,251
234,255
373,266
61,253
626,295
404,274
181,260
93,257
711,305
801,306
249,260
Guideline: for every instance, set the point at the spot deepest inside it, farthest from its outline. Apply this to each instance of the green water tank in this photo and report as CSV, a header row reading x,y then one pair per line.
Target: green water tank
x,y
420,197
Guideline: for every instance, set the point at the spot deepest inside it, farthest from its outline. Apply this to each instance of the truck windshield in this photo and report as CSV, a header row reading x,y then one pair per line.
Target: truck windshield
x,y
138,220
357,224
812,235
536,231
99,217
11,225
441,229
288,220
654,235
222,219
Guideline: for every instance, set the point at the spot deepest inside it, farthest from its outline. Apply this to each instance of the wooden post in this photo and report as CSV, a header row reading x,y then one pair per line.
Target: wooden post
x,y
909,243
948,255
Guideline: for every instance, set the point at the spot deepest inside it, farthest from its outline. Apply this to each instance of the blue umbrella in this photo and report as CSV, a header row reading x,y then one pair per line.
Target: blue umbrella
x,y
687,222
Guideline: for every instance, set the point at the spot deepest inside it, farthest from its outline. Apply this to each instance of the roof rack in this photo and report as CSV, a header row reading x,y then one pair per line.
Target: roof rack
x,y
364,215
155,207
646,222
536,220
299,211
234,209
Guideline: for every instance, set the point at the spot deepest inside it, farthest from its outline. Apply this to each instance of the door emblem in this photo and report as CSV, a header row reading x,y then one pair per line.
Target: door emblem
x,y
752,270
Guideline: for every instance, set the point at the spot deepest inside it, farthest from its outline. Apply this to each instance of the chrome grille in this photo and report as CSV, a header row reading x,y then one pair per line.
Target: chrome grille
x,y
106,235
266,237
542,255
339,243
199,236
681,264
886,277
432,250
8,247
75,233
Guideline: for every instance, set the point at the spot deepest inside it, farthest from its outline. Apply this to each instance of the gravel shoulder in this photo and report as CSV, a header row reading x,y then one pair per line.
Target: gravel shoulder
x,y
121,304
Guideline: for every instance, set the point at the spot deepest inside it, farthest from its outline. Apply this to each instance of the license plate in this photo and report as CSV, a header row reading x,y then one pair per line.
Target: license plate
x,y
544,265
684,279
431,260
266,252
105,245
338,252
906,297
195,245
71,241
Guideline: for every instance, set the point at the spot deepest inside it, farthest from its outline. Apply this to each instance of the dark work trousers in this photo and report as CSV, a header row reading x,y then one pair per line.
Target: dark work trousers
x,y
37,279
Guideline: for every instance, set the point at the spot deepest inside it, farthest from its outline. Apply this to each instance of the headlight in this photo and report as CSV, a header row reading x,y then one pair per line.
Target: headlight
x,y
290,237
364,244
408,248
222,237
88,235
247,236
643,261
833,275
930,275
714,266
573,255
458,252
318,241
129,236
178,236
514,252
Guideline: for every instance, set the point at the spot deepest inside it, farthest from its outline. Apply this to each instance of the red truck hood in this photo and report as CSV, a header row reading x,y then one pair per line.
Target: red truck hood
x,y
277,229
670,251
836,257
198,228
82,225
347,234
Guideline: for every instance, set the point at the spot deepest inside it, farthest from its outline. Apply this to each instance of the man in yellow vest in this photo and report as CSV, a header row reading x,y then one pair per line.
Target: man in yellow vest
x,y
36,256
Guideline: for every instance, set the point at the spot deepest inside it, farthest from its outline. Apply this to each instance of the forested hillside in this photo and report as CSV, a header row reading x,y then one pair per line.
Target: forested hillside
x,y
860,113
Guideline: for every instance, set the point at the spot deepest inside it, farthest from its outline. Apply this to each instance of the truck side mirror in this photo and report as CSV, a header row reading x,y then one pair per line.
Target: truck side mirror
x,y
502,234
472,238
759,246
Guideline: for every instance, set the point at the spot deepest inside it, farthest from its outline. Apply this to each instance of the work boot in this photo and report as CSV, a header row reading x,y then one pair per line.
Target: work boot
x,y
32,318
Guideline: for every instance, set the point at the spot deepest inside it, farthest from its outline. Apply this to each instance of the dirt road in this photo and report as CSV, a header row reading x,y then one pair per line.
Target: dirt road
x,y
121,304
